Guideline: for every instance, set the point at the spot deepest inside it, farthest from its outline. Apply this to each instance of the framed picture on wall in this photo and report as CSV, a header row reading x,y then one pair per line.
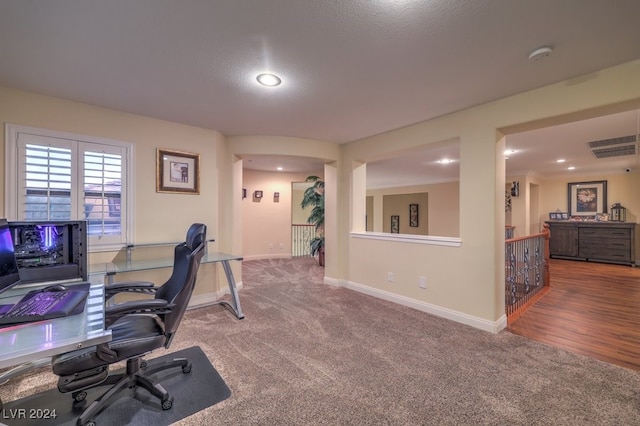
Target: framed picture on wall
x,y
177,172
395,224
413,215
587,198
515,188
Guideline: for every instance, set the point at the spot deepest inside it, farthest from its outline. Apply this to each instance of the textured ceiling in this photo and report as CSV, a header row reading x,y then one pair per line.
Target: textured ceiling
x,y
350,69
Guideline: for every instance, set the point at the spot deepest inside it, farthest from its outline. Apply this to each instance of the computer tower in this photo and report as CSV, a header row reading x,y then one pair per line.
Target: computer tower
x,y
50,250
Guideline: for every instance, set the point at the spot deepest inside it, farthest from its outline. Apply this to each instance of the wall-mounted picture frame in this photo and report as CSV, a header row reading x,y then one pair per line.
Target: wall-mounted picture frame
x,y
395,224
587,198
515,188
177,172
413,215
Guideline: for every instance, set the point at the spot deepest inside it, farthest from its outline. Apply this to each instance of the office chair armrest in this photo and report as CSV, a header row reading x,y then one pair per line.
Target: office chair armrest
x,y
151,306
111,290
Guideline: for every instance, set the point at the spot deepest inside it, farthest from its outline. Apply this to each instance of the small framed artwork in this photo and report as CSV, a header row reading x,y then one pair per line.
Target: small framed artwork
x,y
413,215
177,172
553,216
395,224
587,198
515,188
564,216
257,194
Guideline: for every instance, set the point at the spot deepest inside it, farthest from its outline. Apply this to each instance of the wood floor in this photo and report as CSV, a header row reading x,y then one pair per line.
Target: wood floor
x,y
592,309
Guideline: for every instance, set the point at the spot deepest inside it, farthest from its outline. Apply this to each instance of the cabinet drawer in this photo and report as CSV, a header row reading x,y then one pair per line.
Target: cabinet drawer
x,y
605,244
605,254
604,233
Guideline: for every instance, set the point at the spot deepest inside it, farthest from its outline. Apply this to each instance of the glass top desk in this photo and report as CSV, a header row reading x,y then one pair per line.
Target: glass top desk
x,y
29,345
141,258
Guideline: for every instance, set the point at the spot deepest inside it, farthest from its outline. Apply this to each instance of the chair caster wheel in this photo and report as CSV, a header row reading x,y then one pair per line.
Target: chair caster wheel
x,y
166,405
186,369
80,396
143,364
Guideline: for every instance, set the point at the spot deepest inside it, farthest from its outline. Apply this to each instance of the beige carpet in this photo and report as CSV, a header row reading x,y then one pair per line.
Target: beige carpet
x,y
312,354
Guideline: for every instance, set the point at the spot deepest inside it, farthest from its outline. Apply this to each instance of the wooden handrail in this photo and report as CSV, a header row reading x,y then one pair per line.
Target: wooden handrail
x,y
526,237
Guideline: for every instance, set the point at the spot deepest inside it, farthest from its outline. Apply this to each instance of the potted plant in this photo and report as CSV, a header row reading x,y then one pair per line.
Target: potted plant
x,y
314,197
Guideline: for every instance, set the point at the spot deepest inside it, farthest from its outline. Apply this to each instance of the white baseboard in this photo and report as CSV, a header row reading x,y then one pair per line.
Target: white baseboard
x,y
460,317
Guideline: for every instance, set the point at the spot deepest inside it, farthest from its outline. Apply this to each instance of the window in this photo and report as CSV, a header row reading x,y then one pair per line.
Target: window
x,y
55,176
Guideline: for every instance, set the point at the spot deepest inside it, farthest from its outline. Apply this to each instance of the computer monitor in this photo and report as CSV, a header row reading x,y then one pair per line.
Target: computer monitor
x,y
9,274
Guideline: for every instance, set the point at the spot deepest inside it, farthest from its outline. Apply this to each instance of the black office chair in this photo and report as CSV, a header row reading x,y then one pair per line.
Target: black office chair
x,y
147,287
138,327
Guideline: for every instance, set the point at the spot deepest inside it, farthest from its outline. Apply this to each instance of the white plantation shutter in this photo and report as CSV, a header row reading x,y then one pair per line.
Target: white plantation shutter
x,y
46,184
60,178
102,190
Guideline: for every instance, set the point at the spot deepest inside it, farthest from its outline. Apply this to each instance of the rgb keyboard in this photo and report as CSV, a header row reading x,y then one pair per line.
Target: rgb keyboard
x,y
42,305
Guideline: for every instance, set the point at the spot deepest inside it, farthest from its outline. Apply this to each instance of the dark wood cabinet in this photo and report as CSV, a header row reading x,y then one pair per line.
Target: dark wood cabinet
x,y
564,239
610,242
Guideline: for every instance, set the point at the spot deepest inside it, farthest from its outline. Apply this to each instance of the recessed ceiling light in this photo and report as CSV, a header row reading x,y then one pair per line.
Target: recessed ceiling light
x,y
571,168
267,79
539,53
279,169
561,160
445,161
509,151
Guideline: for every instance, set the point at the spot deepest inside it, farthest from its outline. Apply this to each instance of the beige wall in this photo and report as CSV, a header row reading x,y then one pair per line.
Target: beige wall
x,y
520,214
399,205
158,217
329,152
467,282
623,188
442,210
552,195
267,222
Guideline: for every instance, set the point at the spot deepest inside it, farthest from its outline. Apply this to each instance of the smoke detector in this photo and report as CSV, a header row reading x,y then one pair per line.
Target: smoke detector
x,y
539,53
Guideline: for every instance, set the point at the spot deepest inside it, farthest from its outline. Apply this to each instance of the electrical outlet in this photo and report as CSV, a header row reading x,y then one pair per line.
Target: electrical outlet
x,y
422,282
270,246
281,246
390,277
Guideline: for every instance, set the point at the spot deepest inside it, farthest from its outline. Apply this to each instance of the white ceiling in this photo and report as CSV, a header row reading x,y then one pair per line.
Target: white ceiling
x,y
350,69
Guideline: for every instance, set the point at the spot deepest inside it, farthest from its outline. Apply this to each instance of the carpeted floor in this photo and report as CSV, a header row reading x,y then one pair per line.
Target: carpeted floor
x,y
199,389
311,354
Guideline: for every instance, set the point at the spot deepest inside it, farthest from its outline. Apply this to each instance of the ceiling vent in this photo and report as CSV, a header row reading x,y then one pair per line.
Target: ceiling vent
x,y
614,147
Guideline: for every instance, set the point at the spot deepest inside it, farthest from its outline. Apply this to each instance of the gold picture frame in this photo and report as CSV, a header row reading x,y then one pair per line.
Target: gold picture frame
x,y
177,172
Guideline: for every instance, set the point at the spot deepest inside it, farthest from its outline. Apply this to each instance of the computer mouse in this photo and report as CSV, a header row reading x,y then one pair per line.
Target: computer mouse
x,y
55,287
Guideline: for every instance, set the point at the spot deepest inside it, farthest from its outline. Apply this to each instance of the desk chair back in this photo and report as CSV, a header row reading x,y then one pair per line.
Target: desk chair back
x,y
179,287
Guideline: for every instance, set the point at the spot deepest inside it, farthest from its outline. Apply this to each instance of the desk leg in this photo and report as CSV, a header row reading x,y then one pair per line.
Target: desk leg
x,y
235,299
